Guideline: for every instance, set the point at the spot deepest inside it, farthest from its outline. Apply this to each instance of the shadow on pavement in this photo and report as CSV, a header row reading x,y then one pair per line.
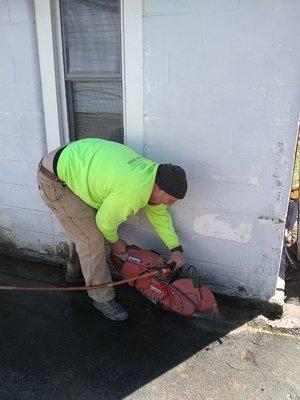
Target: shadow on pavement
x,y
57,346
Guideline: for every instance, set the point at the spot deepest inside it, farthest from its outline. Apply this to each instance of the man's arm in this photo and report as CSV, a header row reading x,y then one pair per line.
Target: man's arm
x,y
161,221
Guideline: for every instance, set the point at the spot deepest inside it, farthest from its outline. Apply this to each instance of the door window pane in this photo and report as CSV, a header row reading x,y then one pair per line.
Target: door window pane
x,y
91,30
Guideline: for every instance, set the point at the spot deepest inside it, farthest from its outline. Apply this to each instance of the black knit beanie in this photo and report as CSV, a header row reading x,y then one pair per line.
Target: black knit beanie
x,y
172,179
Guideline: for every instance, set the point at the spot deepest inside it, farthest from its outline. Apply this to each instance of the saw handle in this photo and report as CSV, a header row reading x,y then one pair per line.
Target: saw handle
x,y
171,266
175,272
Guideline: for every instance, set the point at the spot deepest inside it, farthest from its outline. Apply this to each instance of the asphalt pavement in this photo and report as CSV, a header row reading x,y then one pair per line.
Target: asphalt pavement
x,y
57,346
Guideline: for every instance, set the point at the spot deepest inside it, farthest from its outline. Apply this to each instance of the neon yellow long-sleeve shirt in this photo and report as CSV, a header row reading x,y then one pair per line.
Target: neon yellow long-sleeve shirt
x,y
116,181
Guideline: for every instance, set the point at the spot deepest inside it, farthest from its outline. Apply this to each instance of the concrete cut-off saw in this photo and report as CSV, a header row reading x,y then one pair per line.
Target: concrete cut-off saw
x,y
182,293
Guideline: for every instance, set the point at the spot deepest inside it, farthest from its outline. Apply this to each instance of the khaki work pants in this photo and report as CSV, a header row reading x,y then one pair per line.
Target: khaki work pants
x,y
78,219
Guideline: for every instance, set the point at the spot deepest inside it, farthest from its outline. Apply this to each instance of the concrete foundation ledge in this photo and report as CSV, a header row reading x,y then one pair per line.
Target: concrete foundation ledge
x,y
272,308
32,255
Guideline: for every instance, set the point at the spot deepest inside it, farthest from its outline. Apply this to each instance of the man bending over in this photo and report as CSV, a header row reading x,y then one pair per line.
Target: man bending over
x,y
92,186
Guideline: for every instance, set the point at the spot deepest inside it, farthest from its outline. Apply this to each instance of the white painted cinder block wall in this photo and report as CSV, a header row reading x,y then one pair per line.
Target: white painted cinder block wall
x,y
26,227
222,96
222,99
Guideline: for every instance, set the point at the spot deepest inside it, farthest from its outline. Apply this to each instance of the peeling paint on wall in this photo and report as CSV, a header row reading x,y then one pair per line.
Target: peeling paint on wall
x,y
213,226
280,164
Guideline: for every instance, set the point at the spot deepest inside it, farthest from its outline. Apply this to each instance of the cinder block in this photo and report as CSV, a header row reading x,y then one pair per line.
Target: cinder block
x,y
33,124
226,280
269,233
283,104
26,68
6,68
158,7
34,241
20,97
234,198
259,137
242,66
176,31
183,100
280,207
270,4
21,196
287,29
223,277
19,38
231,103
41,222
155,153
24,149
281,65
224,102
156,131
10,124
276,171
13,172
16,218
30,175
157,100
198,66
180,100
156,67
238,29
156,33
217,251
171,154
18,172
1,149
245,169
202,172
4,13
21,11
197,133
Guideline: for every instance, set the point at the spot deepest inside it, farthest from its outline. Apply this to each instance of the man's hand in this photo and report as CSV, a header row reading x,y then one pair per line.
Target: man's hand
x,y
178,258
119,247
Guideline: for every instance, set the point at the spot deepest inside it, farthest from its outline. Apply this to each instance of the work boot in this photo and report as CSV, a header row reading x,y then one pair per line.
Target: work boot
x,y
112,309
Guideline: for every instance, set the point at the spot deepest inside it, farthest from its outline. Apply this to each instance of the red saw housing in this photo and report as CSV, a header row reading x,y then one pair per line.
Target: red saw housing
x,y
183,295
